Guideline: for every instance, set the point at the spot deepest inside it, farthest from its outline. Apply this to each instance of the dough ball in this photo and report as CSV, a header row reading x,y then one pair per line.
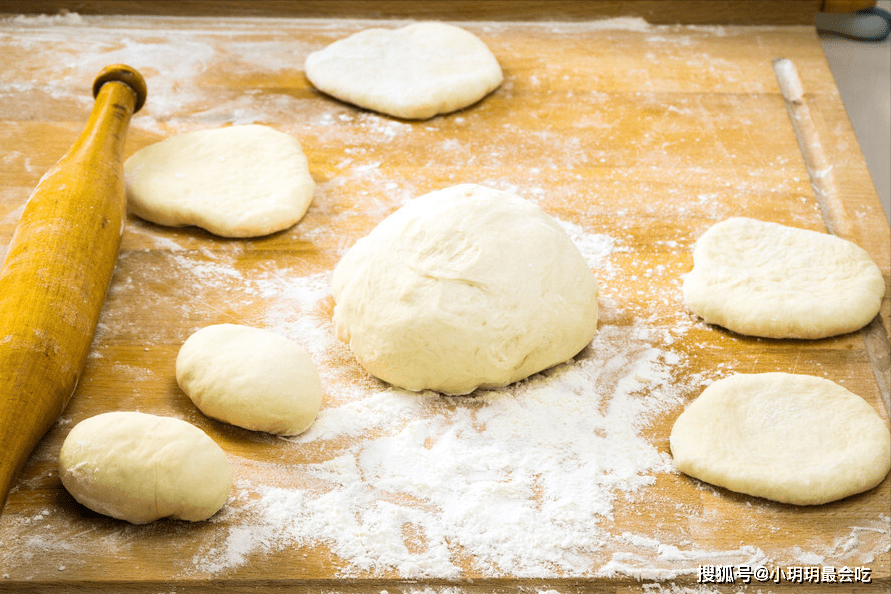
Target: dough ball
x,y
414,72
141,468
791,438
766,279
251,378
240,181
462,288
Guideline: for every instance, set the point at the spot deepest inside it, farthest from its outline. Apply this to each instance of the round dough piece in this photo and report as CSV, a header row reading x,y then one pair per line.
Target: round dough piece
x,y
251,378
766,279
140,468
791,438
239,181
414,72
462,288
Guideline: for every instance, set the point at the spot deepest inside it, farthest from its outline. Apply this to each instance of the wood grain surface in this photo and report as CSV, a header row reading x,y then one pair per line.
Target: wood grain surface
x,y
737,12
637,137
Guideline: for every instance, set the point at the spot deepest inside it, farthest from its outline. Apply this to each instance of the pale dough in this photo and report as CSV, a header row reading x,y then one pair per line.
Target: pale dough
x,y
250,377
413,72
765,279
462,288
238,181
140,468
792,438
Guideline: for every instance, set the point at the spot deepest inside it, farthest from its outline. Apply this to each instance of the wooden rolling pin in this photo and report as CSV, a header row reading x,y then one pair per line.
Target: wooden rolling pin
x,y
57,271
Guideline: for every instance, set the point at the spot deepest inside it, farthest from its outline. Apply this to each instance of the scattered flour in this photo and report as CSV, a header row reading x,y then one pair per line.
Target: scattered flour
x,y
523,481
516,481
43,20
519,480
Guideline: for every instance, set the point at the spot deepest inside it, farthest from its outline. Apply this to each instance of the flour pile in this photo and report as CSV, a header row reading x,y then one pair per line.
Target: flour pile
x,y
515,481
518,479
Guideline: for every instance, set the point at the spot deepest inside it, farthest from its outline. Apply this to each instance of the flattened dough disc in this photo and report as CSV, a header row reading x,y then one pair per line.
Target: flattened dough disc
x,y
770,280
414,72
792,438
238,181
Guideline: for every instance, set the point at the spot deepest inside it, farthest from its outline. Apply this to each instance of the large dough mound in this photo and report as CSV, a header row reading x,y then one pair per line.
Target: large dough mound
x,y
141,468
791,438
766,279
239,181
462,288
414,72
250,377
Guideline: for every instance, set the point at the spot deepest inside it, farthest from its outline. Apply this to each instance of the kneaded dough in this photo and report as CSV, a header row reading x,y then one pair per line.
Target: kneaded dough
x,y
239,181
250,377
765,279
140,468
462,288
414,72
792,438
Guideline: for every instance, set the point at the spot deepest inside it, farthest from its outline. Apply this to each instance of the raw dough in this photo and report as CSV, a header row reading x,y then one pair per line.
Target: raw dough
x,y
462,288
240,181
414,72
791,438
251,378
766,279
140,468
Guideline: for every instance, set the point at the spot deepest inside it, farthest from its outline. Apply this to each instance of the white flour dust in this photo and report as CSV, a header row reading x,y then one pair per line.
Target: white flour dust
x,y
517,480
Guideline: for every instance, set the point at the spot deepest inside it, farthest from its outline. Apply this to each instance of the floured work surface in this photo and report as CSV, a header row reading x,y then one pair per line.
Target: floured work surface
x,y
636,138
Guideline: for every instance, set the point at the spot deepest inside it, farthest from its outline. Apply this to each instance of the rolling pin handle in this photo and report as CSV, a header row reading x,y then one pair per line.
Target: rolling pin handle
x,y
128,76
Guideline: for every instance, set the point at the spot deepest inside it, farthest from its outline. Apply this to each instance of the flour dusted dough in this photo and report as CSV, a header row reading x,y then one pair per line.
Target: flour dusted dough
x,y
250,377
791,438
239,181
462,288
414,72
766,279
141,468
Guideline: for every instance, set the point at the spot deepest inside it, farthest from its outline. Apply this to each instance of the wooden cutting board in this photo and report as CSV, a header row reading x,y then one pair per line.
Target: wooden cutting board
x,y
636,137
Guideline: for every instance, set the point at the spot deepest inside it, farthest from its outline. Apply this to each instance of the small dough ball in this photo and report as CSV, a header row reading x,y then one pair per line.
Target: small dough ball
x,y
791,438
141,468
414,72
462,288
251,378
239,181
766,279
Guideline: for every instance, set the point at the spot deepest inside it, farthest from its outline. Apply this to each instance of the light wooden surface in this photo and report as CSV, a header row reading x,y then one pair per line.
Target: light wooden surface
x,y
647,135
842,6
726,12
